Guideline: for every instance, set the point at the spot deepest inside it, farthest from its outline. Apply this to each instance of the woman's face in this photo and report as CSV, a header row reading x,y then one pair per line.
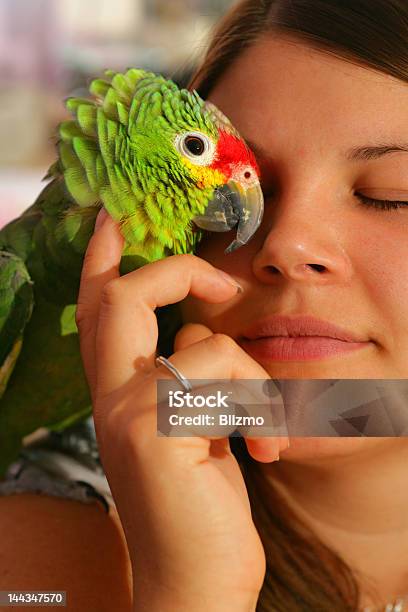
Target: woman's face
x,y
320,250
313,120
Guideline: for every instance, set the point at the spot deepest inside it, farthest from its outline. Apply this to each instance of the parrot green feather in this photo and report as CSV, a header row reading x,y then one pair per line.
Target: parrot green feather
x,y
117,151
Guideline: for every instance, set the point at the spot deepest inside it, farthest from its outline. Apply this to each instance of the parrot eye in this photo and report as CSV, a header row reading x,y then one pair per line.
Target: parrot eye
x,y
197,147
194,145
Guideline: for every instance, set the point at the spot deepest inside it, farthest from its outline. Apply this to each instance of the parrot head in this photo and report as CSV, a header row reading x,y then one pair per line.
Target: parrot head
x,y
218,160
161,160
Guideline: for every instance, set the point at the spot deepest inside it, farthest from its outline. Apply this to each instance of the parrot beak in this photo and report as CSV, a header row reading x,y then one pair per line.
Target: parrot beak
x,y
234,205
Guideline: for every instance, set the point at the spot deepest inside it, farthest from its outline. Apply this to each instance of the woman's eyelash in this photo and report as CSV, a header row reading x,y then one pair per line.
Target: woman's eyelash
x,y
364,200
383,204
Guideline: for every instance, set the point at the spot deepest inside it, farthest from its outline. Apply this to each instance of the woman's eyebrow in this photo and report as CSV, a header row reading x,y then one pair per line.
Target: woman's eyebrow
x,y
365,152
375,151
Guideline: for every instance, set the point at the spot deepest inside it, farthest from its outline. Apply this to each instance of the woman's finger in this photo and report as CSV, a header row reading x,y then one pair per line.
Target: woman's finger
x,y
101,264
262,450
127,331
135,413
239,365
189,334
214,358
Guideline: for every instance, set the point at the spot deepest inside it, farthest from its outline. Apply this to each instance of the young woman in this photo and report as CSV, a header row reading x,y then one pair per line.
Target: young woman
x,y
319,89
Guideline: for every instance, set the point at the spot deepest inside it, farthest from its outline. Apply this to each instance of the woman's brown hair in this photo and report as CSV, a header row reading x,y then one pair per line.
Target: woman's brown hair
x,y
304,574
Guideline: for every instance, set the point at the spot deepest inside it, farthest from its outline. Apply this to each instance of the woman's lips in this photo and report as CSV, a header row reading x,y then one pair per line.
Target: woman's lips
x,y
287,338
280,348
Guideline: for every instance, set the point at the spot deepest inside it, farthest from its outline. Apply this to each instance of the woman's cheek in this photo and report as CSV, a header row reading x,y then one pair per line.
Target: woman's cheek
x,y
190,310
213,316
377,297
383,271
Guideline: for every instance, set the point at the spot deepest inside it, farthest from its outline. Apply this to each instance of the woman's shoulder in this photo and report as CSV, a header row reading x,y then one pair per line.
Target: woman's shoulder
x,y
59,526
51,543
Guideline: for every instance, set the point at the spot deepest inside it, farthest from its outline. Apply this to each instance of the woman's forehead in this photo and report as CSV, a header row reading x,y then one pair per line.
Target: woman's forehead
x,y
282,88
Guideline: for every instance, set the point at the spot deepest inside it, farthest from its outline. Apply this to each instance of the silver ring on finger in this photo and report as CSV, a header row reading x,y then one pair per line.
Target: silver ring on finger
x,y
172,368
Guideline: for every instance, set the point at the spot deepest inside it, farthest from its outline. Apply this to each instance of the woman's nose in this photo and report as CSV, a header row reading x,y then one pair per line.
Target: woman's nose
x,y
301,244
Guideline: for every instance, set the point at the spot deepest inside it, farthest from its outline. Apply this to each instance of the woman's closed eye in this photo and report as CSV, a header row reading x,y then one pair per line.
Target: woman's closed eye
x,y
381,204
270,192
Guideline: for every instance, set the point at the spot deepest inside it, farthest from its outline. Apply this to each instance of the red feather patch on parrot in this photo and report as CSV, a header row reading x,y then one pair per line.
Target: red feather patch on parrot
x,y
230,151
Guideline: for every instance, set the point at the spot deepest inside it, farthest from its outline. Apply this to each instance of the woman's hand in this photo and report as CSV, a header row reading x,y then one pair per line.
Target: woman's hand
x,y
182,500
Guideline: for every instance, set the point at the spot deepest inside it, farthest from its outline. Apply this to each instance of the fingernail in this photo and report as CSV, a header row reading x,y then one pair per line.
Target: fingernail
x,y
100,218
230,280
284,445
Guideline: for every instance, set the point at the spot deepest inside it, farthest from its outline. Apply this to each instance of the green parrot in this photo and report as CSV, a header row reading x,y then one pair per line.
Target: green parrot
x,y
167,166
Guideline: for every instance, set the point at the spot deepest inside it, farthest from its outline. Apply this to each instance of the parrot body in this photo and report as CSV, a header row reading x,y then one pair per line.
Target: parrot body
x,y
166,165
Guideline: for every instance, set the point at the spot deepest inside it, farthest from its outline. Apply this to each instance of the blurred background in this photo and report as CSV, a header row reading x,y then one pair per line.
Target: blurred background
x,y
51,49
